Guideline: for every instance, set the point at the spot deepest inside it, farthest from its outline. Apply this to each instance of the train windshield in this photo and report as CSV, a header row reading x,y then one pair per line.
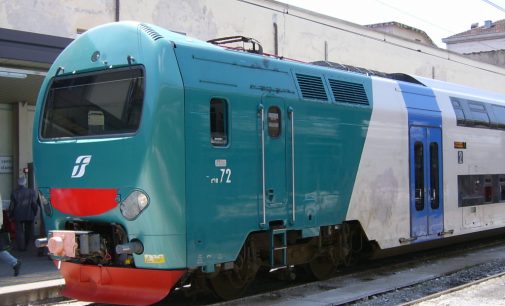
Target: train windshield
x,y
100,103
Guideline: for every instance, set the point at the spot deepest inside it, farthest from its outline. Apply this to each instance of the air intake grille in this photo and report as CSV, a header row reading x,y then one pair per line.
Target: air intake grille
x,y
347,92
152,33
312,87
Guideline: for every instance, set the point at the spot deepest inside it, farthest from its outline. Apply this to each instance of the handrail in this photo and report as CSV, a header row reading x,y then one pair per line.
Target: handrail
x,y
291,113
261,111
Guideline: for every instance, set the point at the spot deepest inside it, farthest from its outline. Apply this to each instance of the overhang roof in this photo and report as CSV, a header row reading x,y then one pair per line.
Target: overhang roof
x,y
24,59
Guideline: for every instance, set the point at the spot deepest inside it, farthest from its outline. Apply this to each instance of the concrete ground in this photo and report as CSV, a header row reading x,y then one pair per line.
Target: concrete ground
x,y
38,279
488,292
33,268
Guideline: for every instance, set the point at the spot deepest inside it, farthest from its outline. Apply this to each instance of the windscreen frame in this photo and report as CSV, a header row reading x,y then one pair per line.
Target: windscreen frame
x,y
139,69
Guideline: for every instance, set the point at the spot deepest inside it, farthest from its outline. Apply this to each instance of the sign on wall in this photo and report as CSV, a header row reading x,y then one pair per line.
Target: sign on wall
x,y
5,164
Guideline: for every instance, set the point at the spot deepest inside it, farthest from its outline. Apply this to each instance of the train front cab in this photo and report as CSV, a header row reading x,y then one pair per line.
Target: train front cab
x,y
109,159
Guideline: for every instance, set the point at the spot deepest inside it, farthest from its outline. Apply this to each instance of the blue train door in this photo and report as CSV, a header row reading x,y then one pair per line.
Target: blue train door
x,y
426,197
274,193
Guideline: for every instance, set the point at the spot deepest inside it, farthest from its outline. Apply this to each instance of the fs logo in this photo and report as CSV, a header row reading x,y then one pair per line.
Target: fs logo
x,y
80,166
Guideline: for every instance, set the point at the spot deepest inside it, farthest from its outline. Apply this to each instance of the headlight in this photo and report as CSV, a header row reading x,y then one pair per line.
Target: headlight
x,y
134,204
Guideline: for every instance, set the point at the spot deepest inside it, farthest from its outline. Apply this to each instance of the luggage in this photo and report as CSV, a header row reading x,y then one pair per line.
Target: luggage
x,y
5,241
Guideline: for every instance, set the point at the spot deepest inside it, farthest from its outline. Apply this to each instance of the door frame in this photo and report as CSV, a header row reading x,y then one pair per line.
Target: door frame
x,y
276,189
426,199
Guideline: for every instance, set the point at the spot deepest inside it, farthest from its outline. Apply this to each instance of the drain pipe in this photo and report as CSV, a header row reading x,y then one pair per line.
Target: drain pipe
x,y
117,10
276,39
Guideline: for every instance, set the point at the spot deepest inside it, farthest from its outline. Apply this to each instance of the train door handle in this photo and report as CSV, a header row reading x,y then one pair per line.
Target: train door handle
x,y
419,194
270,195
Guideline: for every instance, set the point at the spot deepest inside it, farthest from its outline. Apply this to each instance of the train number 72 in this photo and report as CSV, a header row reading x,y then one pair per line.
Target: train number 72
x,y
225,173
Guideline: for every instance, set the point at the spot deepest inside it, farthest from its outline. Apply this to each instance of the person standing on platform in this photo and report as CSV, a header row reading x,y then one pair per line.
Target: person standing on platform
x,y
5,256
23,210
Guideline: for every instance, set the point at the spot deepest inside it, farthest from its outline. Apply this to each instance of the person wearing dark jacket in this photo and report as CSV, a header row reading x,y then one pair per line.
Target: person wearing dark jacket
x,y
5,256
23,210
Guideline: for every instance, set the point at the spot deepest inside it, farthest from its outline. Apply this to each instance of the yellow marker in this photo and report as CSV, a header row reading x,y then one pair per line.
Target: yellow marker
x,y
459,145
154,259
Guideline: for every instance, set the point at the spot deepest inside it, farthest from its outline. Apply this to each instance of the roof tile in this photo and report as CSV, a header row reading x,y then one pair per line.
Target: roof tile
x,y
496,27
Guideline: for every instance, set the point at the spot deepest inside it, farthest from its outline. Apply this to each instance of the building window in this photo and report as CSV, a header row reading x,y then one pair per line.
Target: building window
x,y
218,122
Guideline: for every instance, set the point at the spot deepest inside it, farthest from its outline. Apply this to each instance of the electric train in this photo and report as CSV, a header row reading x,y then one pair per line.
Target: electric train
x,y
164,161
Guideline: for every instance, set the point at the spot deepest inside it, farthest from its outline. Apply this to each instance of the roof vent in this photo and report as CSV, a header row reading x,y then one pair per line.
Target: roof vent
x,y
312,87
347,92
488,24
152,33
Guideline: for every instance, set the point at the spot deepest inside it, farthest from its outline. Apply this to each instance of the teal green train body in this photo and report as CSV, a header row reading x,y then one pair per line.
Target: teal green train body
x,y
204,200
164,161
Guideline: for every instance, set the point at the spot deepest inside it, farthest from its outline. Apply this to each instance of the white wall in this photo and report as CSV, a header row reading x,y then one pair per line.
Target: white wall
x,y
25,128
302,34
55,17
6,137
477,46
16,123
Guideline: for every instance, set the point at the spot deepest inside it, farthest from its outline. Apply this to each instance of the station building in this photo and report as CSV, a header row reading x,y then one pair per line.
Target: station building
x,y
485,43
33,33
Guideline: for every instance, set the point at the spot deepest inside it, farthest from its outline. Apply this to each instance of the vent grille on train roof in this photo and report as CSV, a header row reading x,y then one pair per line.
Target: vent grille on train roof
x,y
312,87
347,92
152,33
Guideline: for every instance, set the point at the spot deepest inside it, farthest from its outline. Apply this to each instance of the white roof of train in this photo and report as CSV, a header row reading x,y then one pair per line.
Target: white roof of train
x,y
462,90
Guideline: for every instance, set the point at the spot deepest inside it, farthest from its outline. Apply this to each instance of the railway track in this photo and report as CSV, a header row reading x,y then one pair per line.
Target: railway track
x,y
394,280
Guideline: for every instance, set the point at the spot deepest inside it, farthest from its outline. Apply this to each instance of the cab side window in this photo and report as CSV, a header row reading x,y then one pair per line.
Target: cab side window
x,y
218,122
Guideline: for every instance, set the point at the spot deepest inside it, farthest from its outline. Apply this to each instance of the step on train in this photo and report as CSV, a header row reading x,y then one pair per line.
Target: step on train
x,y
163,161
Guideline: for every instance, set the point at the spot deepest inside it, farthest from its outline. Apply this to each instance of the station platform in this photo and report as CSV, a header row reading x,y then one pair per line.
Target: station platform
x,y
487,291
38,279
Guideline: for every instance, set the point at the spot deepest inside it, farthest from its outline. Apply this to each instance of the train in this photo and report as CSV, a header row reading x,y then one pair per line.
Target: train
x,y
163,161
